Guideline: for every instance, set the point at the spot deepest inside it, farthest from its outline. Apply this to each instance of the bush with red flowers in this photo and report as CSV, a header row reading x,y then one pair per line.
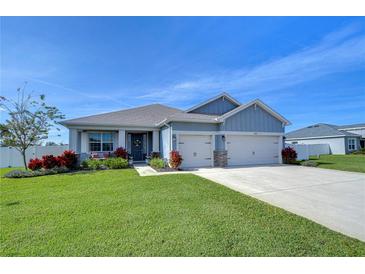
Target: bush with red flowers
x,y
121,152
69,158
49,161
175,159
60,161
289,155
35,164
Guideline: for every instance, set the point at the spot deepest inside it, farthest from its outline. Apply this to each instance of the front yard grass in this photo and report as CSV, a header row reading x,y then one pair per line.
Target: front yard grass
x,y
118,213
348,162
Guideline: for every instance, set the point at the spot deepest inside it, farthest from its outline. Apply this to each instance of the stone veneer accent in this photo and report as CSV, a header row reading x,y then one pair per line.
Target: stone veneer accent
x,y
220,158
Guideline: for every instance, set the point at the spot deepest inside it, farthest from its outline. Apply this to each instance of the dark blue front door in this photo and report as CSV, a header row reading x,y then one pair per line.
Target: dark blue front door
x,y
137,147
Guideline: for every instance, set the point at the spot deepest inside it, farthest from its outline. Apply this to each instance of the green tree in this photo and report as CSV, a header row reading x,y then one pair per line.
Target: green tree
x,y
29,121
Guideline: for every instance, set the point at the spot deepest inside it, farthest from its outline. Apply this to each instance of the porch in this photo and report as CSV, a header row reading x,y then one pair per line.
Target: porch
x,y
138,142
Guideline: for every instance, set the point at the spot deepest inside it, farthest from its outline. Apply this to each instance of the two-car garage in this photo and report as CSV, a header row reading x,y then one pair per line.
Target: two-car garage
x,y
197,150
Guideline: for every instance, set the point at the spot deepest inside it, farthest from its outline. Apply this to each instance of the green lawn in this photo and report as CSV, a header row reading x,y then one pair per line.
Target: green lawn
x,y
118,213
342,162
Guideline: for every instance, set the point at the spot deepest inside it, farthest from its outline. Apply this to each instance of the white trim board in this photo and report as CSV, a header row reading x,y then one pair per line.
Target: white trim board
x,y
168,120
227,133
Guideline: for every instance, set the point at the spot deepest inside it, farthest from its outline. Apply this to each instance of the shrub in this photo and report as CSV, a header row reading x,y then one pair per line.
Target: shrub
x,y
360,151
60,161
289,155
121,152
116,163
85,164
35,173
55,170
157,163
70,158
309,163
35,164
49,161
175,159
19,174
155,155
93,164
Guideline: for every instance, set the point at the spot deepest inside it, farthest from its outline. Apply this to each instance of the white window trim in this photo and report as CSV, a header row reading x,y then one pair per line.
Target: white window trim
x,y
101,141
354,144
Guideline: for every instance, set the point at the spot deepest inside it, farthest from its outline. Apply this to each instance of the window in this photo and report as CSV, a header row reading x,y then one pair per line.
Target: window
x,y
102,141
351,144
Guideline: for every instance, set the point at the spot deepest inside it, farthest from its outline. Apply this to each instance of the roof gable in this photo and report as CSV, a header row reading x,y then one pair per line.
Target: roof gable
x,y
253,103
218,105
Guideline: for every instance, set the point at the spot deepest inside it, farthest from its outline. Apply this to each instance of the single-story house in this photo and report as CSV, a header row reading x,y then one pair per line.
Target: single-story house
x,y
218,132
341,139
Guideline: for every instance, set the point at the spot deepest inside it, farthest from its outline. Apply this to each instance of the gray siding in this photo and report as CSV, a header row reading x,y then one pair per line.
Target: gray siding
x,y
347,146
216,107
165,142
253,120
188,126
150,144
219,143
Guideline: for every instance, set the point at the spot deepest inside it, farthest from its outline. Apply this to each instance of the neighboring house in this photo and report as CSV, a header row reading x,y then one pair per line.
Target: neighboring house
x,y
217,132
341,139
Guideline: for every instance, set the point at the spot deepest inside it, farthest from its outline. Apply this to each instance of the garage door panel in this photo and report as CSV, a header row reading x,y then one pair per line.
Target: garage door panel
x,y
196,150
248,150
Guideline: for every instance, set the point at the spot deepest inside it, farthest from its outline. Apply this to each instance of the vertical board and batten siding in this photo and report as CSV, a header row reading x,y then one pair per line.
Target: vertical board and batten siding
x,y
216,107
252,119
219,143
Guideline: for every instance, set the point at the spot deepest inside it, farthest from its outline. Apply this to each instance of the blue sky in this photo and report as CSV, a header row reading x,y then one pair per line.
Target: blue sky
x,y
309,69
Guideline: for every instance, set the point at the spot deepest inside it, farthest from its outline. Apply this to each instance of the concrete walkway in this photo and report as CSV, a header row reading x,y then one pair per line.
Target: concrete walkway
x,y
335,199
146,170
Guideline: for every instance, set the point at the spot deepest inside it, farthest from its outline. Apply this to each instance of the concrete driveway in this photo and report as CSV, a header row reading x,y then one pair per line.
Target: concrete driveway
x,y
335,199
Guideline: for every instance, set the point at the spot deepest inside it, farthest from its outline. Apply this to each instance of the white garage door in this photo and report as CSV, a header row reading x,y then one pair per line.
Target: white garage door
x,y
196,150
251,150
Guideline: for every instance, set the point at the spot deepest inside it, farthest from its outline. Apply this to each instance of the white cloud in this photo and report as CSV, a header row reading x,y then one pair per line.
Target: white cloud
x,y
100,96
338,51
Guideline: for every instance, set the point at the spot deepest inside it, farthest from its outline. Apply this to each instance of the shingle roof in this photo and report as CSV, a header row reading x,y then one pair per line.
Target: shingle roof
x,y
146,116
192,117
150,116
318,130
351,126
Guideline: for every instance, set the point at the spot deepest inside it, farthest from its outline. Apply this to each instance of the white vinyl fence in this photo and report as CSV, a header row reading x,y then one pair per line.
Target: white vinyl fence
x,y
11,157
304,151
